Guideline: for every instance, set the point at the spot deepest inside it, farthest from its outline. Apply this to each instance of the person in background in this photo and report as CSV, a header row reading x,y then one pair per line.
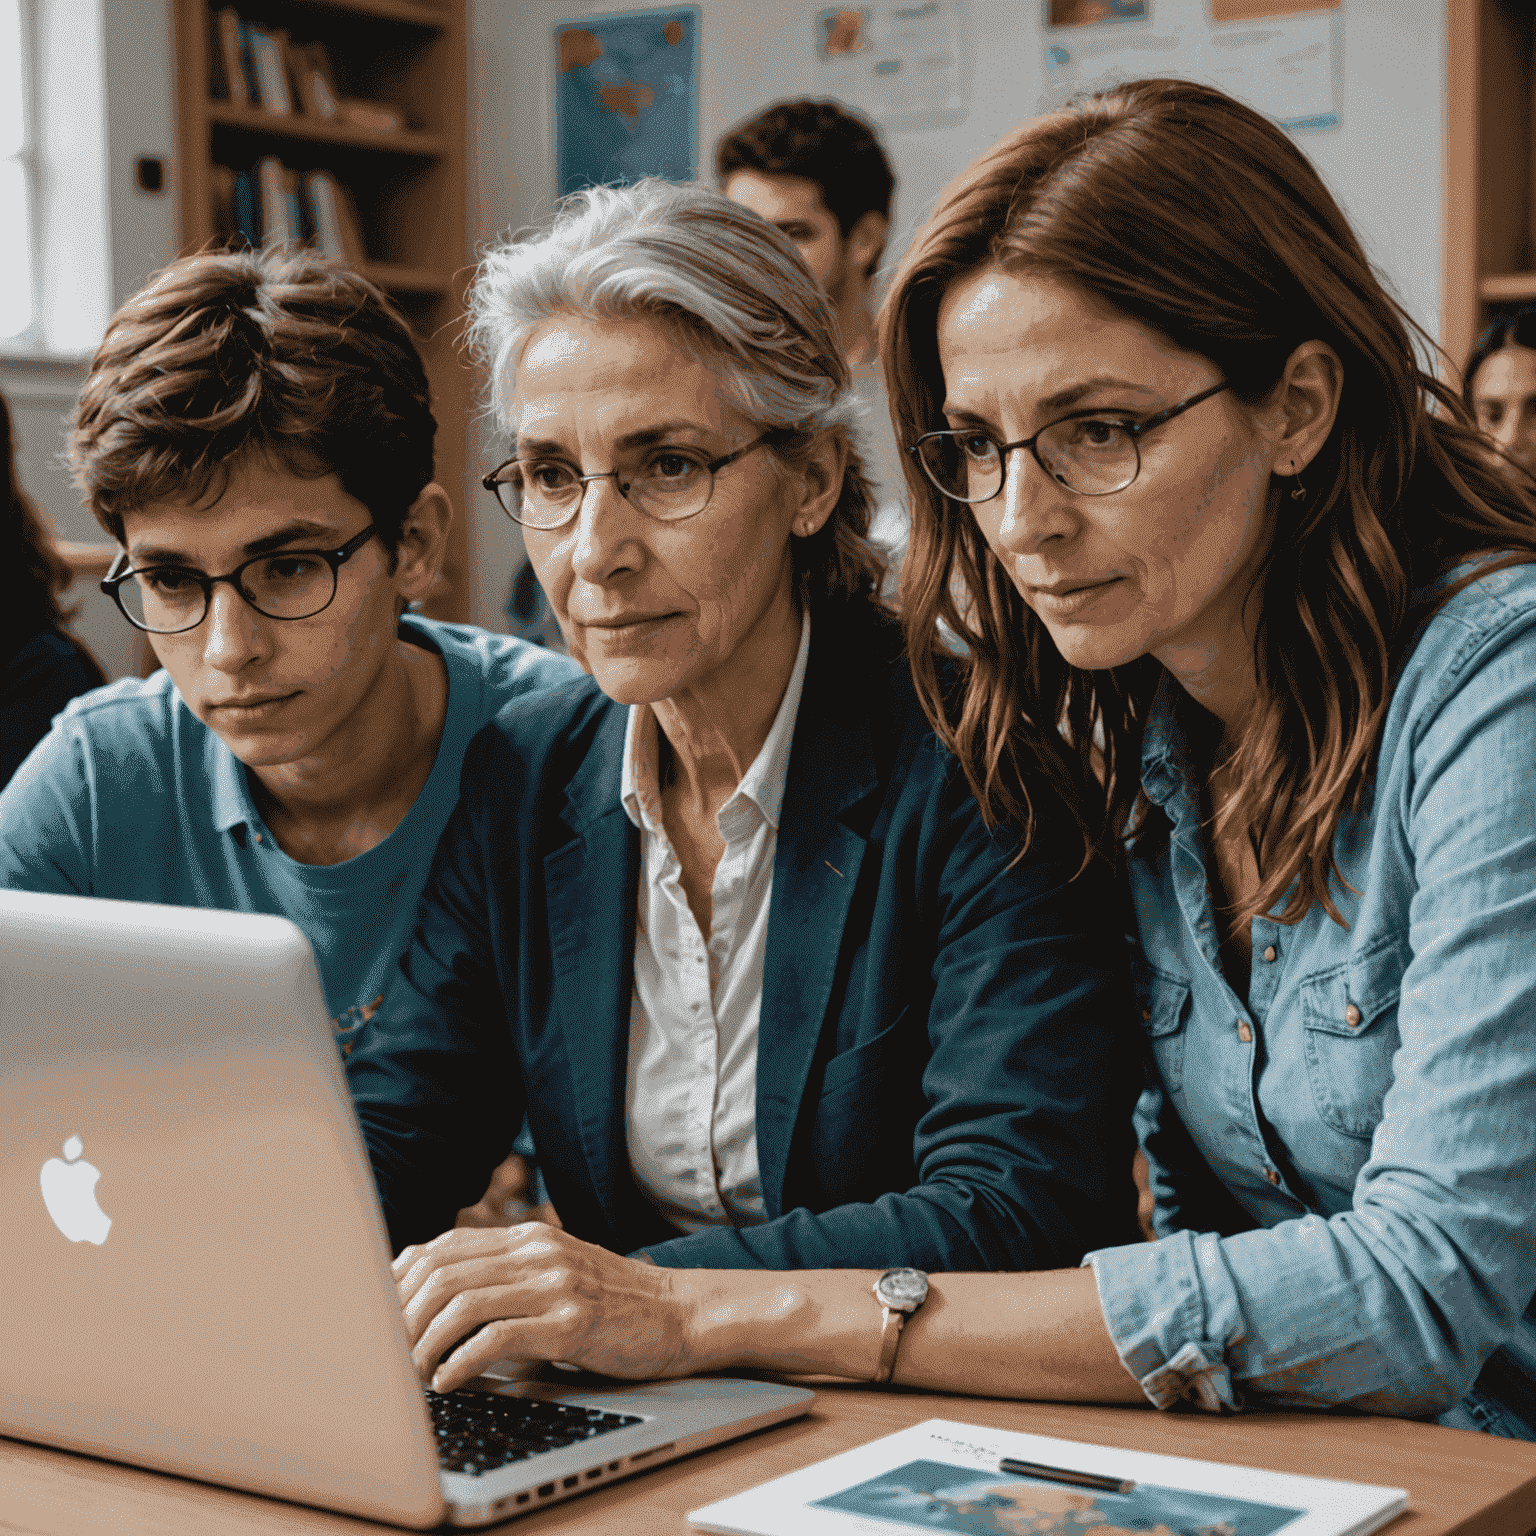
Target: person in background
x,y
1499,385
42,666
1241,580
256,432
723,916
817,172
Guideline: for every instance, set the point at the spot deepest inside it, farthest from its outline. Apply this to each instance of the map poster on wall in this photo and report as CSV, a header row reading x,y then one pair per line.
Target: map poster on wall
x,y
627,97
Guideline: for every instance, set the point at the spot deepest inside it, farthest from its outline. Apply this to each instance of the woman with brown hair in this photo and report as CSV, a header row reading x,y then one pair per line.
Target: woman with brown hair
x,y
1238,575
1236,569
42,666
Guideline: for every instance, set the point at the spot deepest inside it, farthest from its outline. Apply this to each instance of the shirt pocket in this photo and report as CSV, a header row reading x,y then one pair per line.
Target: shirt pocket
x,y
1349,1019
1163,999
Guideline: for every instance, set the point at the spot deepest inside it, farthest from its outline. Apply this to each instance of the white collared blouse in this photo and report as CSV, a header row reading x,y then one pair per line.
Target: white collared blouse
x,y
691,1092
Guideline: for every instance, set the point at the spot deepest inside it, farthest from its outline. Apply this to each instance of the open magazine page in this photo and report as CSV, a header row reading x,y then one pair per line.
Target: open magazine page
x,y
944,1476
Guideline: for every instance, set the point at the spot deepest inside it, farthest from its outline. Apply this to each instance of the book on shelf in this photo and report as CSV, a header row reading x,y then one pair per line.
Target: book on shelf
x,y
245,208
232,57
222,182
279,215
266,55
255,66
317,93
337,229
270,204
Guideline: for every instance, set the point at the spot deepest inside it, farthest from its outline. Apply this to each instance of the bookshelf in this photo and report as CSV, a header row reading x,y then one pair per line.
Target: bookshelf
x,y
1490,168
409,184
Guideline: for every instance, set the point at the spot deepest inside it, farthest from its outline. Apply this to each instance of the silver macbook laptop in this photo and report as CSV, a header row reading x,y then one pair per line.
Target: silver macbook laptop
x,y
196,1275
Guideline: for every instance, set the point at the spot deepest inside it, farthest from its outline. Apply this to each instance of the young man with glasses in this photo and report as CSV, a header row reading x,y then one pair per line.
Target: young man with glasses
x,y
256,432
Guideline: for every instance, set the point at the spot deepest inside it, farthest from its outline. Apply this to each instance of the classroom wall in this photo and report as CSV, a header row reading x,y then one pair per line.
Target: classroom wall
x,y
1383,161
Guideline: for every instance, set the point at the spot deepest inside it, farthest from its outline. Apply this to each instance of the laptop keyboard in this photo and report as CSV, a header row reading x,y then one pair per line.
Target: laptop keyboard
x,y
480,1431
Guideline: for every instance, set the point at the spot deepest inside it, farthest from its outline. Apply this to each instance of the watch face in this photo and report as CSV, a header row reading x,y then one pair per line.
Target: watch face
x,y
903,1290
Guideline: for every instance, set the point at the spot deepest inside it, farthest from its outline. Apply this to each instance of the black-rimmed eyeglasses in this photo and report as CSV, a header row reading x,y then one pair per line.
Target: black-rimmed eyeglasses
x,y
1094,453
667,484
290,584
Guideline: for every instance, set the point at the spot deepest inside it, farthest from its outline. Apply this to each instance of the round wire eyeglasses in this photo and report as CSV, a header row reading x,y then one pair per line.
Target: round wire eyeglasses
x,y
667,484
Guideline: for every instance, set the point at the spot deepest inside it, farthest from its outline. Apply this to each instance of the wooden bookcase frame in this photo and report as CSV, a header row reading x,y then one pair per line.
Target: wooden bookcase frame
x,y
1489,241
411,185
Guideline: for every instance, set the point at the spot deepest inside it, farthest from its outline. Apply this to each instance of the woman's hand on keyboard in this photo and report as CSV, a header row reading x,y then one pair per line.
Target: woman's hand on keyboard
x,y
533,1292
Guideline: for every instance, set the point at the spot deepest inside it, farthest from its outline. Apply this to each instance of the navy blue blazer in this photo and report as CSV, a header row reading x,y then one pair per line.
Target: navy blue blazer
x,y
946,1066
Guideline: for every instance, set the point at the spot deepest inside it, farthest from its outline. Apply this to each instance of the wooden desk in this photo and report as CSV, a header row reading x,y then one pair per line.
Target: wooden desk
x,y
1458,1482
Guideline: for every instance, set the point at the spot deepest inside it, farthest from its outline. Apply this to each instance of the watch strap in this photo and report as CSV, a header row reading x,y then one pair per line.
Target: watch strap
x,y
890,1337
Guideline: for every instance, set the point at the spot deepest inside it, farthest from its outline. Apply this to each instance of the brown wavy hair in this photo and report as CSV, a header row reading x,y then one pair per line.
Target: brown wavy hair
x,y
276,352
1194,216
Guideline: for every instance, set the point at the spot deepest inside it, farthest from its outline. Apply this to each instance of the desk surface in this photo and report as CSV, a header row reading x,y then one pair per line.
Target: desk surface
x,y
1460,1482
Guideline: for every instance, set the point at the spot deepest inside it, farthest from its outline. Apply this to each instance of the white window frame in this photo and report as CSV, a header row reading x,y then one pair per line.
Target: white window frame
x,y
32,340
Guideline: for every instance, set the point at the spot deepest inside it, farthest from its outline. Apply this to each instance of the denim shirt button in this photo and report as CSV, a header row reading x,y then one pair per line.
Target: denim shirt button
x,y
1243,1032
1271,1175
1146,1015
1270,953
1352,1016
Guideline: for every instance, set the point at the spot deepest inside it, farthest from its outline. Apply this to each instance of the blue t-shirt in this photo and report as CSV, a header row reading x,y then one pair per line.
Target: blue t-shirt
x,y
131,796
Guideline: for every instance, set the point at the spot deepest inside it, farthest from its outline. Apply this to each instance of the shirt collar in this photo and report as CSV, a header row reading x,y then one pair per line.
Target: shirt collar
x,y
1166,762
232,803
762,783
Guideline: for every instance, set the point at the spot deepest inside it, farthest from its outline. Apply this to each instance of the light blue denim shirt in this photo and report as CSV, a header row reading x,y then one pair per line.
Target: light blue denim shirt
x,y
1368,1111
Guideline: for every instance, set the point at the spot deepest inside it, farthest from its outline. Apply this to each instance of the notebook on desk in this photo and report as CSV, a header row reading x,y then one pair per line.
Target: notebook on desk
x,y
967,1479
196,1272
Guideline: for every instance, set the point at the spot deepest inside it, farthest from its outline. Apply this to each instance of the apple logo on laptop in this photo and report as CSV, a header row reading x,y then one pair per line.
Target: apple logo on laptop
x,y
69,1192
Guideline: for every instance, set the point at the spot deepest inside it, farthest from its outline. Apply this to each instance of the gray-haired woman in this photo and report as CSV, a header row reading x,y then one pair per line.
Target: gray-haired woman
x,y
723,918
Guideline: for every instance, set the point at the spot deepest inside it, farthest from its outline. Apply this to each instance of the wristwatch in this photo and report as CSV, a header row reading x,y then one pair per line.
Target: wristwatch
x,y
900,1292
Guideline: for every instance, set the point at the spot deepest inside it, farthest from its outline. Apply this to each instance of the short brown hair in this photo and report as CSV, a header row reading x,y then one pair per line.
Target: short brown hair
x,y
276,352
1191,214
819,142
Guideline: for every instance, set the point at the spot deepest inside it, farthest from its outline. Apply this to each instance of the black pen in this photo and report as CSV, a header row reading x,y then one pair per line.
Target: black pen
x,y
1065,1475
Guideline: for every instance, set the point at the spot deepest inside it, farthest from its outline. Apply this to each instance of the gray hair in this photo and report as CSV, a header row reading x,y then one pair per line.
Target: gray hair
x,y
731,290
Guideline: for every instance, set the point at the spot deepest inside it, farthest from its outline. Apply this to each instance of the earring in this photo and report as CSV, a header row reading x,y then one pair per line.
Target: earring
x,y
1300,493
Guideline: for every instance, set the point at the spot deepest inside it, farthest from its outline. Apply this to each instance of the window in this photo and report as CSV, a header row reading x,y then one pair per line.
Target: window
x,y
18,177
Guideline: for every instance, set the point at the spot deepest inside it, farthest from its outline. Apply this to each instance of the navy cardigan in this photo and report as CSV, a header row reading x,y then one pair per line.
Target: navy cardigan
x,y
946,1053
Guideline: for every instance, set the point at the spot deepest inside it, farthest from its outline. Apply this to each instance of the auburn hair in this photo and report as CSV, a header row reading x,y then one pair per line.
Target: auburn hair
x,y
276,352
1194,216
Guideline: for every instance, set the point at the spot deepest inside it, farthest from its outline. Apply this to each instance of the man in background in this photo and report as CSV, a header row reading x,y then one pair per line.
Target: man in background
x,y
818,173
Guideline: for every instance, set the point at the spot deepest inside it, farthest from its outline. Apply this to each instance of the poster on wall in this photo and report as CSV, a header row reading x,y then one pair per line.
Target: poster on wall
x,y
1287,66
627,97
1082,13
1257,10
901,64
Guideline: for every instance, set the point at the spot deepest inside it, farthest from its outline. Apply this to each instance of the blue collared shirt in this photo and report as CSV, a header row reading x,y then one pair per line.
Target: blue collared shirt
x,y
1368,1110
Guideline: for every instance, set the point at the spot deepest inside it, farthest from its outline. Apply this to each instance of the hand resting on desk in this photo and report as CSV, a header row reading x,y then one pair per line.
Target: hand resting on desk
x,y
533,1292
